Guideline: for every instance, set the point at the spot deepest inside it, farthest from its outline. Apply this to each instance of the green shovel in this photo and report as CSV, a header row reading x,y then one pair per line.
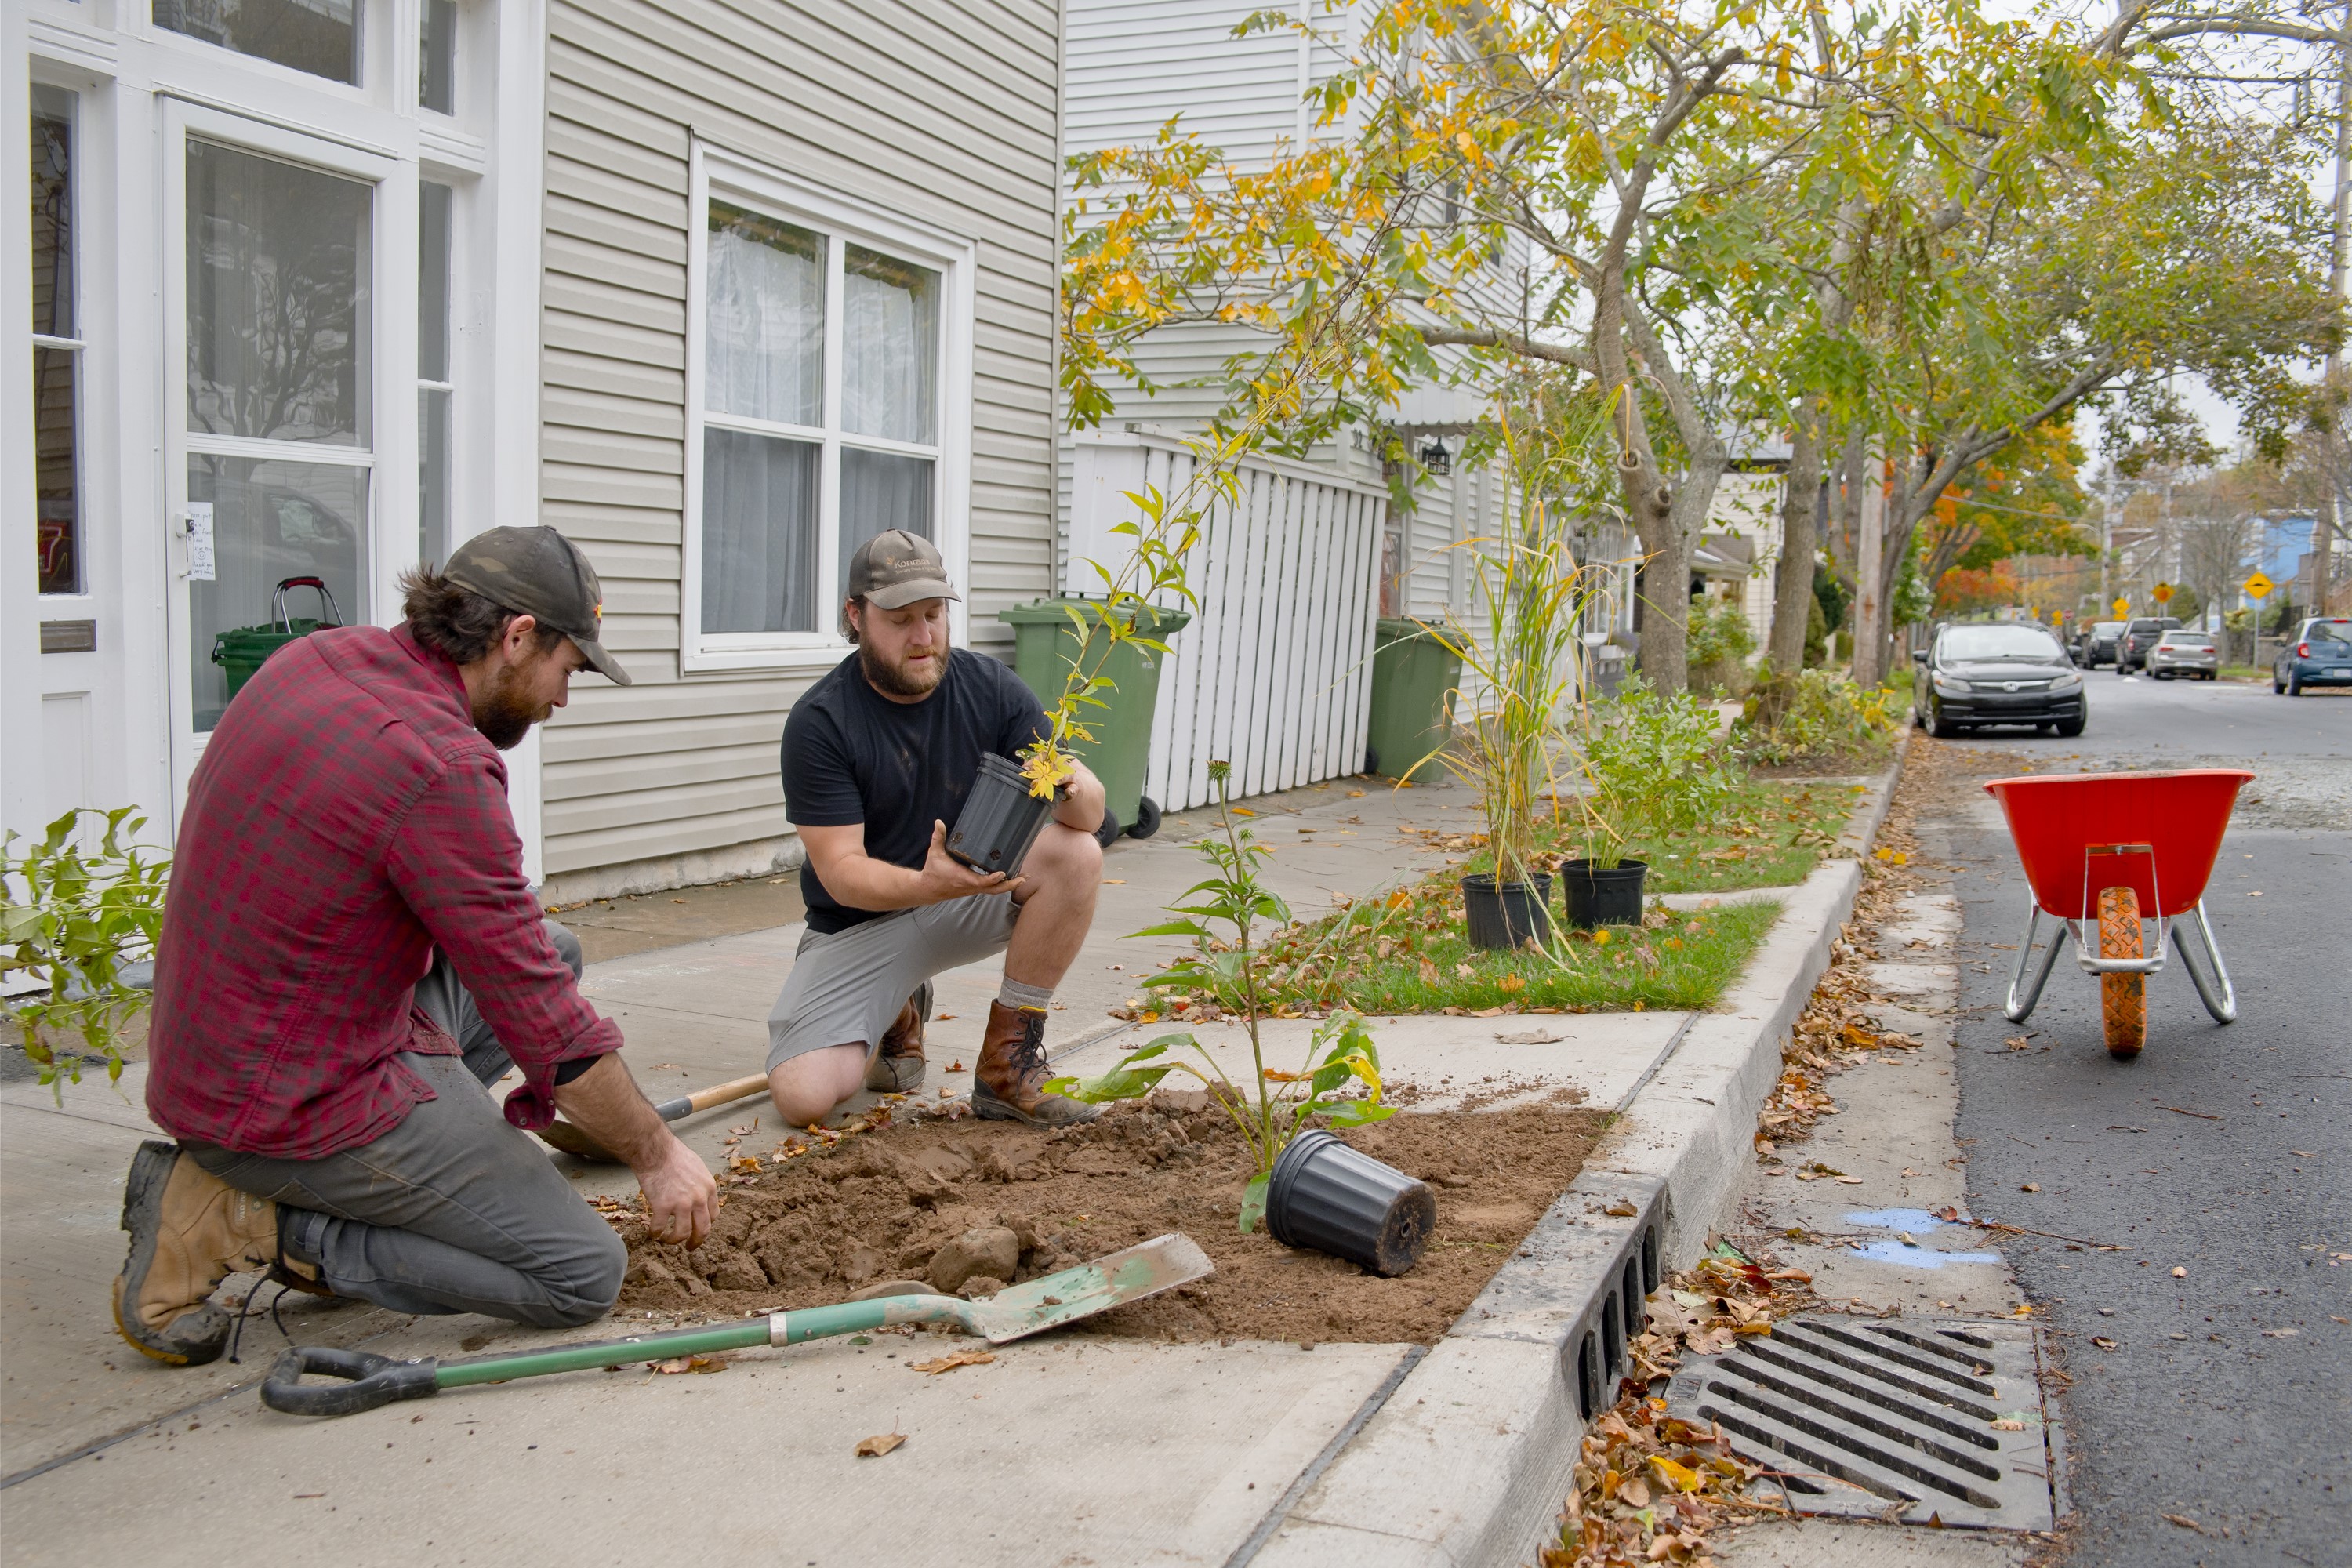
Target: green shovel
x,y
367,1381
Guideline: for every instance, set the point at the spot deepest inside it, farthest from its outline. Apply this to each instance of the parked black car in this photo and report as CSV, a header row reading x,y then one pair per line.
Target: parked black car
x,y
2097,644
2320,655
1975,676
2139,636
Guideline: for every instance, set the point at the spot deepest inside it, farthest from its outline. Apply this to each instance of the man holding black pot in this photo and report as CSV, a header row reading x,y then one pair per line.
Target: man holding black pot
x,y
877,759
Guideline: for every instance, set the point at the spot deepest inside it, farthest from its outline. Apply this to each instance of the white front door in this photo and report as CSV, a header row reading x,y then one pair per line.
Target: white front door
x,y
279,355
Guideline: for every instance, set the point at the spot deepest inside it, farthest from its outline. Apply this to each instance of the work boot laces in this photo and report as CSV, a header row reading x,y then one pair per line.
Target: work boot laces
x,y
1025,1054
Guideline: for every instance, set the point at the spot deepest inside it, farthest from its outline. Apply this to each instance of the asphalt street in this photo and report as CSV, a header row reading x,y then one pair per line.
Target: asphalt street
x,y
2209,1413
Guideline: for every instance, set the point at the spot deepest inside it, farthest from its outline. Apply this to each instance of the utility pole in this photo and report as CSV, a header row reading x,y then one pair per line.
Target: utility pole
x,y
2330,519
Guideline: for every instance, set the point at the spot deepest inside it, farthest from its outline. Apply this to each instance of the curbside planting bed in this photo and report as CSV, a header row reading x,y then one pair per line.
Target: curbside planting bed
x,y
1466,1460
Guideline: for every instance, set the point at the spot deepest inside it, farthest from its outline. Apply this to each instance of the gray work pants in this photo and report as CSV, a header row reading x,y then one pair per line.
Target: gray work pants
x,y
455,1210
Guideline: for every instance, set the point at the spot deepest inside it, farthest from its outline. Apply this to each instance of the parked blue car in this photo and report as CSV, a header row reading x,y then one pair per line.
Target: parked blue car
x,y
2319,654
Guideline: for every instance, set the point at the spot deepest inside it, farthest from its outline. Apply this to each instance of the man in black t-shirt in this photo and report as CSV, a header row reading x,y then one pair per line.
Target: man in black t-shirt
x,y
877,759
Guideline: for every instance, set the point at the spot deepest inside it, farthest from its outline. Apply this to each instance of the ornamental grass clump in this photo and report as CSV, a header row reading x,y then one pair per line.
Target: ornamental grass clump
x,y
1522,653
1272,1106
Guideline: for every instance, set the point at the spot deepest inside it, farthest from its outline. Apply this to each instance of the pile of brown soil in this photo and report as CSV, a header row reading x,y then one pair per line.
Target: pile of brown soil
x,y
931,1201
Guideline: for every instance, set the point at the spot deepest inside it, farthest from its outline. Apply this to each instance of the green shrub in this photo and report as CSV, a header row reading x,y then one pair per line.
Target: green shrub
x,y
1720,639
85,914
1817,715
1655,762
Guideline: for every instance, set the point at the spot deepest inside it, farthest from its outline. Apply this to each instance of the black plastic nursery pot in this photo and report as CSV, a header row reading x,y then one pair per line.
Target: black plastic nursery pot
x,y
1507,916
1330,1199
1000,819
1597,895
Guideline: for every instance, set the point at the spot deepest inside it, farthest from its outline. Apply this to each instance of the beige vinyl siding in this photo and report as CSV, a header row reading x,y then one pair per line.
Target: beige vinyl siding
x,y
945,114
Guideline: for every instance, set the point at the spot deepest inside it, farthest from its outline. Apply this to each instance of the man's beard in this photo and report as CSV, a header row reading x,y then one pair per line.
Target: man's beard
x,y
505,713
897,680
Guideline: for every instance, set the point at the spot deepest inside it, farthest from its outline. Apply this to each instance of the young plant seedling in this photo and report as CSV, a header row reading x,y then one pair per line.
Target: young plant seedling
x,y
1270,1111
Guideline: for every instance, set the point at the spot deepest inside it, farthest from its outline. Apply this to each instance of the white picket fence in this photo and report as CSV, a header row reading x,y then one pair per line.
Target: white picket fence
x,y
1275,673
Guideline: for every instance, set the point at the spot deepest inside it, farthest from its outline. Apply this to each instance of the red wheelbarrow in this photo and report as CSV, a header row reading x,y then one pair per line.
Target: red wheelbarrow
x,y
2106,851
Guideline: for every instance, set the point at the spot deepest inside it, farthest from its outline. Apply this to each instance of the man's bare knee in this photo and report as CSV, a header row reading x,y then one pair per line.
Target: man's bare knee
x,y
1065,855
809,1088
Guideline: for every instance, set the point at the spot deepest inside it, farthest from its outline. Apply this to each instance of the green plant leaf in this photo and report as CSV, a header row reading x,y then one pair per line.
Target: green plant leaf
x,y
1253,1210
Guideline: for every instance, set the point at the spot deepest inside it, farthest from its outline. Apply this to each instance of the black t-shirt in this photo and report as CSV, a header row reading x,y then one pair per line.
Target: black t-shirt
x,y
852,755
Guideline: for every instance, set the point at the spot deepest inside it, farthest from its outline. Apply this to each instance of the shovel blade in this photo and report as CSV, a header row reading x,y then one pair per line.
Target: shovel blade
x,y
1144,1270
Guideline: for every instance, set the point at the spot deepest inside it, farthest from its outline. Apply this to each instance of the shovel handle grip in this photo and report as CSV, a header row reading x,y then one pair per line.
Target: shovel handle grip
x,y
365,1381
704,1098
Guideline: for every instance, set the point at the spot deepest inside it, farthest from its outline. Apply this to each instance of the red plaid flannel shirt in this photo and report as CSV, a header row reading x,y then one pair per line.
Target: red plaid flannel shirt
x,y
346,820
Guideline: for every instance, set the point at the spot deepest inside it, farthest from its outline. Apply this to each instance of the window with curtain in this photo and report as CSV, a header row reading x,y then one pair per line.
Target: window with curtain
x,y
821,375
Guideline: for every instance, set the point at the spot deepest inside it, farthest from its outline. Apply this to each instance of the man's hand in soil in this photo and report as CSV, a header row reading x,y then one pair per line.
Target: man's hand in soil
x,y
681,1195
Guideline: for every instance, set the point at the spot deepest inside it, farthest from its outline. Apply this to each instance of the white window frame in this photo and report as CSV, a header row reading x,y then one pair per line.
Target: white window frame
x,y
714,172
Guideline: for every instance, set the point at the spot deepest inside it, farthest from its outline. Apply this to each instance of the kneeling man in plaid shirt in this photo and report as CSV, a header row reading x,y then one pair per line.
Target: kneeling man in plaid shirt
x,y
351,954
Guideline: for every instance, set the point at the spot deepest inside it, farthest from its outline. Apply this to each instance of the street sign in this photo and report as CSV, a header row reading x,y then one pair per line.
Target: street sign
x,y
2122,607
2259,586
2161,593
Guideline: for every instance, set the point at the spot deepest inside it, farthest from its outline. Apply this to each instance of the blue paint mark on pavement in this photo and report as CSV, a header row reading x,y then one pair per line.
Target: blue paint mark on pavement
x,y
1914,1220
1919,1256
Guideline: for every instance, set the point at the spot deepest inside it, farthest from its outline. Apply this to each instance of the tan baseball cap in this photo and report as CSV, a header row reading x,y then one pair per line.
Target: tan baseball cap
x,y
895,569
537,571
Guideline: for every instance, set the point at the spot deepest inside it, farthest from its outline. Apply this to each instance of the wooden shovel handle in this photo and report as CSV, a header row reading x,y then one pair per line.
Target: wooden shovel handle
x,y
716,1094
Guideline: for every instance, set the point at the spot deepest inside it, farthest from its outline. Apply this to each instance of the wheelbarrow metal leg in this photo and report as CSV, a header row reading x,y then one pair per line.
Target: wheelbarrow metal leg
x,y
2225,1006
2023,996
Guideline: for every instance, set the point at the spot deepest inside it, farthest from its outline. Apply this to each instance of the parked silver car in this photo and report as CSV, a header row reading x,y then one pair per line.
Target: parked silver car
x,y
2178,652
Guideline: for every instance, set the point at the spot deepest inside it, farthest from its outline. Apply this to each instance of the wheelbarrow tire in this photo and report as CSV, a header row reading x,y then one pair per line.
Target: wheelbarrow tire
x,y
2123,998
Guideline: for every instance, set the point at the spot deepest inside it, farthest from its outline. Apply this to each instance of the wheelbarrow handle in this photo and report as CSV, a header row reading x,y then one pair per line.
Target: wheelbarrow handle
x,y
367,1381
277,601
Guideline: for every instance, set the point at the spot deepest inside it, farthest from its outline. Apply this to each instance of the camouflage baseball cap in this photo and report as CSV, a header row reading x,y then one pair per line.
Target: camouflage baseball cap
x,y
895,569
537,571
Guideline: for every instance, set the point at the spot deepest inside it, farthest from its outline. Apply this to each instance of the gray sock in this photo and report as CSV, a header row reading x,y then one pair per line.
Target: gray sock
x,y
1012,994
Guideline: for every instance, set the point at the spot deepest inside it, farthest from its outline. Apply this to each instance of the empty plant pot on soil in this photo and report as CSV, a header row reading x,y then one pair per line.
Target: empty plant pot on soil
x,y
1330,1199
1602,895
1505,916
1000,819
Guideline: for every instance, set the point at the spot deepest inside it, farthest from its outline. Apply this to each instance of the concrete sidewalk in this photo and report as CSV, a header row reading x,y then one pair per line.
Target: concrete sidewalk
x,y
1068,1450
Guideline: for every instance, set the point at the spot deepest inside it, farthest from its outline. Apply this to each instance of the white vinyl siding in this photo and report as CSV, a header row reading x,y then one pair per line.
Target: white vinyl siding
x,y
947,120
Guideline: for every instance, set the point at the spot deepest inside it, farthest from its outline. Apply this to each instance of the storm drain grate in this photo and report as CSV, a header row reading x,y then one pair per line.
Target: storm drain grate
x,y
1912,1419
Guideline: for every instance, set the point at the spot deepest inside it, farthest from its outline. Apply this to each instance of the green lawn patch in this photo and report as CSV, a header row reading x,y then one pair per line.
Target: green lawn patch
x,y
1771,835
1408,953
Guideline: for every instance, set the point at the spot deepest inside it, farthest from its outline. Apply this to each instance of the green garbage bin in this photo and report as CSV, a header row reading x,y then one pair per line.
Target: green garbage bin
x,y
1046,644
241,651
1413,677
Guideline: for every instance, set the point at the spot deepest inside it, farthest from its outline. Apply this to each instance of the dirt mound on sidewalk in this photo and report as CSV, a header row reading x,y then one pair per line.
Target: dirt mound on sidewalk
x,y
885,1204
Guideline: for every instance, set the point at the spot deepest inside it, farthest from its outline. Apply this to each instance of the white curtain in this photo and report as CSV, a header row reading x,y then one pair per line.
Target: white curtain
x,y
764,317
758,532
891,368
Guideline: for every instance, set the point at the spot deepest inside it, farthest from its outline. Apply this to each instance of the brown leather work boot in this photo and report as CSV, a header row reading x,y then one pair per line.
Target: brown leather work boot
x,y
898,1067
189,1231
1008,1083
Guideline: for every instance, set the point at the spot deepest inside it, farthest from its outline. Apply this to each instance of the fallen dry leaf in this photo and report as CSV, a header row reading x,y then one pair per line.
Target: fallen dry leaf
x,y
1532,1037
2184,1521
881,1443
2008,1423
1622,1210
697,1364
952,1360
2029,1186
2105,1344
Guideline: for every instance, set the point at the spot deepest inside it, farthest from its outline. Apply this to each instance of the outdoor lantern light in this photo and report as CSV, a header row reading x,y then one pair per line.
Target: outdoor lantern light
x,y
1435,459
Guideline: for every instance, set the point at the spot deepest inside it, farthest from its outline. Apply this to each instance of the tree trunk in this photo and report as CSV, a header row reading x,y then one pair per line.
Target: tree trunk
x,y
1866,487
1792,586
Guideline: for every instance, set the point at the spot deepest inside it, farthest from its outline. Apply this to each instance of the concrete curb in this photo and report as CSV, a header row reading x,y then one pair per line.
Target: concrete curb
x,y
1467,1462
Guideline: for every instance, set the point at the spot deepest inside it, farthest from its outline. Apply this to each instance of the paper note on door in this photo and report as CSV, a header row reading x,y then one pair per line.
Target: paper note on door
x,y
200,542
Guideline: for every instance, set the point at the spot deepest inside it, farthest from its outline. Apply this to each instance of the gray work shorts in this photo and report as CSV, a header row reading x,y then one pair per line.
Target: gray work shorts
x,y
847,986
